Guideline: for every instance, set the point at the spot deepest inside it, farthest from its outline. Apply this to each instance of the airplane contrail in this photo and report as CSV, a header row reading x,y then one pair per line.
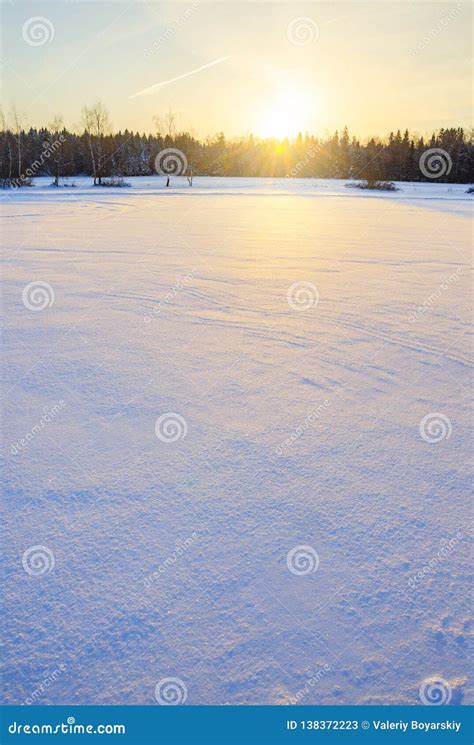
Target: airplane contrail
x,y
153,88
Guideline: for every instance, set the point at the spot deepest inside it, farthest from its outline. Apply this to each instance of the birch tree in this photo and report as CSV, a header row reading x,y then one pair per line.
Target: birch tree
x,y
96,125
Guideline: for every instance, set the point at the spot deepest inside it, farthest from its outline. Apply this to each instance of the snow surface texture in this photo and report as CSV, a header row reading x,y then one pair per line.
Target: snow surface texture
x,y
303,422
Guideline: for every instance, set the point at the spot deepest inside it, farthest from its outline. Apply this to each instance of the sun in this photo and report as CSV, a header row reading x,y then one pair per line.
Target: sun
x,y
292,109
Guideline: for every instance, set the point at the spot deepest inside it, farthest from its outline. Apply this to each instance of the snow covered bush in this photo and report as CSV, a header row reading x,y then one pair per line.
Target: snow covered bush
x,y
377,185
116,181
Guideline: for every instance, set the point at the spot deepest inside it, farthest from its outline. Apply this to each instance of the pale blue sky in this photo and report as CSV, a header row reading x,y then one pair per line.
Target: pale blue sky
x,y
373,66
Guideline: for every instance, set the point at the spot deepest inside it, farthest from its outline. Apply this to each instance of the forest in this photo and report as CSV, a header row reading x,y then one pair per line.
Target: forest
x,y
95,150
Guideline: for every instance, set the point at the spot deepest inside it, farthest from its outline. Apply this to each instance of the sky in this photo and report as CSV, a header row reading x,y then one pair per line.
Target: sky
x,y
270,68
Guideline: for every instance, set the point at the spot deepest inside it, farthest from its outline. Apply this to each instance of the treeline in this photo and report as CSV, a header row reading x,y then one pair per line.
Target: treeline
x,y
56,152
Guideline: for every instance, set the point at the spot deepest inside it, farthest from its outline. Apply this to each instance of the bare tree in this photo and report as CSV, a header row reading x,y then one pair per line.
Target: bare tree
x,y
170,123
17,128
6,155
56,128
96,125
166,125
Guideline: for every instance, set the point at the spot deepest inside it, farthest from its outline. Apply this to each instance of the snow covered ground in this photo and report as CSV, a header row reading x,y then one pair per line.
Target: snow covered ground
x,y
330,416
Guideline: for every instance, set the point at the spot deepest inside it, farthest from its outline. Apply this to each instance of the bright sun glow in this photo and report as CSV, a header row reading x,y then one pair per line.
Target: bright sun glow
x,y
292,109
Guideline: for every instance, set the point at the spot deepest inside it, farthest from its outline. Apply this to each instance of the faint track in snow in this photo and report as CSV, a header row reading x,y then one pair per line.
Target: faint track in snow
x,y
418,347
